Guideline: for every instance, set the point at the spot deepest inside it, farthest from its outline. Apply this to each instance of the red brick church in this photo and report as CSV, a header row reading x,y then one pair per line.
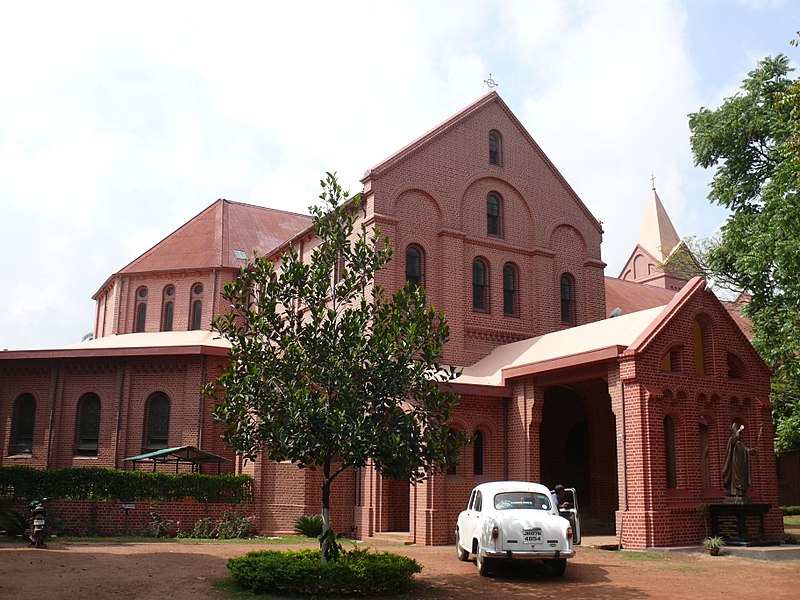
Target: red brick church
x,y
622,387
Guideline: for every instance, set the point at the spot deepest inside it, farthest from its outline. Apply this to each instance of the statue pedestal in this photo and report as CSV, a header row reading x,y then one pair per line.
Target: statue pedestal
x,y
740,524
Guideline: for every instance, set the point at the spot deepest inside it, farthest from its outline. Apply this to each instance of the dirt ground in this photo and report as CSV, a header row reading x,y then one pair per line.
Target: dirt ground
x,y
183,571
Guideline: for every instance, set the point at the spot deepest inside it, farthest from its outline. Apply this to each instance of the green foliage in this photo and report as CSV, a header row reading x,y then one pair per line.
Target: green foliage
x,y
12,522
326,370
310,526
358,572
714,541
90,483
234,525
753,140
158,526
204,529
790,510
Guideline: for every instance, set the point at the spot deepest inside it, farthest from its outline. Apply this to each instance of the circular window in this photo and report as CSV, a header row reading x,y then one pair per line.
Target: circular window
x,y
198,289
170,291
143,293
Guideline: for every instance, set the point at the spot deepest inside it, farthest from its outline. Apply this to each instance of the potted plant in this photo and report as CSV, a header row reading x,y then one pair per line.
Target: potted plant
x,y
713,544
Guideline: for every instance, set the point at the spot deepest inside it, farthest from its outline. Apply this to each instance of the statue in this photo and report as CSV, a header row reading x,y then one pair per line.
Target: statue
x,y
736,470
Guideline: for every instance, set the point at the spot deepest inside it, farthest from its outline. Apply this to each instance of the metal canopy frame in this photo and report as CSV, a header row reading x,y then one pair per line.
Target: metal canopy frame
x,y
179,455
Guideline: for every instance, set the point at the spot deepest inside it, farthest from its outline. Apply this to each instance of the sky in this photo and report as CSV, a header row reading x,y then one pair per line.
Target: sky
x,y
119,122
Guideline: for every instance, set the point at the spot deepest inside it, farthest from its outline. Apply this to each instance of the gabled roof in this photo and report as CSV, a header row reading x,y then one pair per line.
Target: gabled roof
x,y
455,120
209,239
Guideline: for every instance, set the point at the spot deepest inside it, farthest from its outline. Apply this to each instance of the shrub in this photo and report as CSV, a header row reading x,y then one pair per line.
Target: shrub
x,y
204,529
309,526
358,572
12,522
790,510
234,525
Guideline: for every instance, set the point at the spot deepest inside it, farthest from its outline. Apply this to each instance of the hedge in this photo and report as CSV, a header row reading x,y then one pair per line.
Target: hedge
x,y
790,510
94,483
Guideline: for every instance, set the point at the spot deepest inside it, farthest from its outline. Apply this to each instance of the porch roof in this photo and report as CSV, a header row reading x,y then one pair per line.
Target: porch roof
x,y
571,347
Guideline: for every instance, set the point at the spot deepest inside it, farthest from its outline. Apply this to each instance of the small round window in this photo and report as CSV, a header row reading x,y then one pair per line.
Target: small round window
x,y
198,289
170,291
143,293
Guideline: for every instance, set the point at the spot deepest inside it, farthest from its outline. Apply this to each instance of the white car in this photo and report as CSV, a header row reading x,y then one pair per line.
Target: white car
x,y
513,520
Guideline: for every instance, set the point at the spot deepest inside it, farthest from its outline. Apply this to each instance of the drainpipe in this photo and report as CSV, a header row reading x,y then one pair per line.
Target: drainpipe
x,y
53,397
624,463
203,375
505,432
121,389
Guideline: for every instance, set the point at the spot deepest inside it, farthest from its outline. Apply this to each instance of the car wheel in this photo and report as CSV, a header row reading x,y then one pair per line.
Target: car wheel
x,y
558,566
463,555
482,563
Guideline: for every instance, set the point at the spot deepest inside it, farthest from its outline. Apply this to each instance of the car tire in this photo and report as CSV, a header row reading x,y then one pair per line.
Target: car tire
x,y
461,554
558,566
484,564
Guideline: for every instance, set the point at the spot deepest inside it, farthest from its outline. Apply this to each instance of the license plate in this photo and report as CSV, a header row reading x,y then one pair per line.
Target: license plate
x,y
38,521
532,536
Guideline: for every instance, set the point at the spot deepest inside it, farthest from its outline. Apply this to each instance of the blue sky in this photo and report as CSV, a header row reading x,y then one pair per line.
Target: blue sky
x,y
120,122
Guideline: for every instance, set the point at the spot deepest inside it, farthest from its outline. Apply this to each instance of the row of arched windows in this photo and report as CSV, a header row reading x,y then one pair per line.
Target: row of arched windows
x,y
415,275
168,308
87,426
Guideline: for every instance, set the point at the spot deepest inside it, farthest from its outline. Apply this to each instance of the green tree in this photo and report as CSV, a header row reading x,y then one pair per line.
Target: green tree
x,y
753,141
326,370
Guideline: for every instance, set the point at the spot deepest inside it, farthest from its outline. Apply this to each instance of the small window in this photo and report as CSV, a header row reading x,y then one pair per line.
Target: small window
x,y
493,215
414,266
510,291
567,300
196,321
494,148
88,426
480,286
671,361
141,310
169,308
157,425
705,463
669,453
22,425
477,454
735,367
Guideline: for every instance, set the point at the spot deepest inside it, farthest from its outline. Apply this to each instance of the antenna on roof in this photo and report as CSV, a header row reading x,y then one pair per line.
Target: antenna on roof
x,y
490,83
653,181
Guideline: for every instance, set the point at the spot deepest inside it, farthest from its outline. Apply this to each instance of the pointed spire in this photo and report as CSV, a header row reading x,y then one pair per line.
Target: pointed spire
x,y
657,235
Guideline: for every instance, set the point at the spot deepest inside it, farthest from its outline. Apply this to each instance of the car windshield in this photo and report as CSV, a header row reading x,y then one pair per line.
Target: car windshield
x,y
518,500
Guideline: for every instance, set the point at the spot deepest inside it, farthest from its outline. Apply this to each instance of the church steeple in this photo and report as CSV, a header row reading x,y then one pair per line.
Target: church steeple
x,y
660,258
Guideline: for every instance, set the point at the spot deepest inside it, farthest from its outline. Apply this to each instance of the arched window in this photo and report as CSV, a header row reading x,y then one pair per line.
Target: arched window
x,y
705,464
197,306
141,310
415,270
477,454
452,469
671,361
169,308
567,300
494,222
510,291
22,425
669,452
480,285
495,156
699,348
88,429
157,423
736,368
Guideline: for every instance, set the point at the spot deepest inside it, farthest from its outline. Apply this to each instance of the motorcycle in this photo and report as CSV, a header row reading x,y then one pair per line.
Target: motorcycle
x,y
38,531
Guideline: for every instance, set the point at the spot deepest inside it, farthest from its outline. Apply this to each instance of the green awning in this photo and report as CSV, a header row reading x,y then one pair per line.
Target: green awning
x,y
179,454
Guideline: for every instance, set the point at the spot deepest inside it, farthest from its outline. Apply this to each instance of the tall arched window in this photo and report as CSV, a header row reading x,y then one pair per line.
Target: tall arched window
x,y
510,291
494,224
157,423
477,453
141,310
567,300
415,266
701,347
197,306
88,427
22,425
480,285
495,156
452,469
705,464
169,308
669,453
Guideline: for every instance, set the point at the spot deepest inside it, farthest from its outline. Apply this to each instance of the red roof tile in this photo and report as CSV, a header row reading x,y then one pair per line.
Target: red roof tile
x,y
631,296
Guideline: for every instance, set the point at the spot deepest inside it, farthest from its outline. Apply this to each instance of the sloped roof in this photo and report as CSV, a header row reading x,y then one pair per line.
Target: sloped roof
x,y
586,343
209,239
657,234
631,296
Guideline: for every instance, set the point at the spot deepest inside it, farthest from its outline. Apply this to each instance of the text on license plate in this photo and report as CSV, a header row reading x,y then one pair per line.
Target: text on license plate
x,y
38,521
532,536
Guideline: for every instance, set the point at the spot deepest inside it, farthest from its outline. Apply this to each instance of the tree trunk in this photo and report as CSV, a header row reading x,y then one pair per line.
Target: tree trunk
x,y
326,539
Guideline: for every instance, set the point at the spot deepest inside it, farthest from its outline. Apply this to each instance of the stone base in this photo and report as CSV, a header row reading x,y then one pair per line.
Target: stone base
x,y
740,524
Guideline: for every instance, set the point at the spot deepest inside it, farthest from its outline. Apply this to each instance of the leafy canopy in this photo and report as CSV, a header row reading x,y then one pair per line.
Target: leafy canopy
x,y
753,141
326,370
